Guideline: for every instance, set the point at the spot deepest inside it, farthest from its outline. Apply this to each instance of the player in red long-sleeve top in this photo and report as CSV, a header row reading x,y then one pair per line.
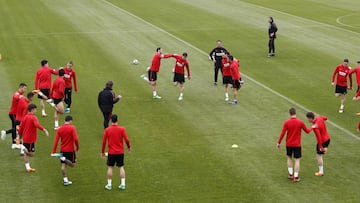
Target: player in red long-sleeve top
x,y
235,75
12,115
322,137
153,70
58,94
43,83
69,77
292,128
226,71
69,138
115,136
341,73
179,72
28,131
357,75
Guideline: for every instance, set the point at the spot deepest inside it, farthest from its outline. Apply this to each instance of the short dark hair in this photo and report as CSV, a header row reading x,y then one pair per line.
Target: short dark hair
x,y
185,54
292,111
310,115
271,18
30,95
346,60
22,85
157,49
358,62
109,84
231,58
68,118
114,118
31,107
43,62
61,72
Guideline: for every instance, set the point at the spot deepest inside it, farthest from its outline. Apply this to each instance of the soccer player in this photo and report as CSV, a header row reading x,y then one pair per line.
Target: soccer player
x,y
12,115
272,36
68,136
57,94
154,69
69,77
235,75
227,79
322,137
179,72
27,130
21,112
216,56
115,136
357,75
106,101
43,83
342,73
292,128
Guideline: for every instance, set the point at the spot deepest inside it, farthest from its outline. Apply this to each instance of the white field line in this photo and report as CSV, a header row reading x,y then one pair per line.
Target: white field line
x,y
248,77
338,20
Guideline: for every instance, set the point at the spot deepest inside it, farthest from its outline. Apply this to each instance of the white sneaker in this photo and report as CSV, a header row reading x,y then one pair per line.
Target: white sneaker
x,y
56,127
341,110
49,100
67,183
16,146
180,98
3,134
52,104
13,146
226,98
156,97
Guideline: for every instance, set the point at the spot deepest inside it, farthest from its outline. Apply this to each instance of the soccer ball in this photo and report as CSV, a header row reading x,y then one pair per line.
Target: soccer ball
x,y
135,62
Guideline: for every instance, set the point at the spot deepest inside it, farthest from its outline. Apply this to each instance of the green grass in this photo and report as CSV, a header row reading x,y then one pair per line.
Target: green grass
x,y
182,150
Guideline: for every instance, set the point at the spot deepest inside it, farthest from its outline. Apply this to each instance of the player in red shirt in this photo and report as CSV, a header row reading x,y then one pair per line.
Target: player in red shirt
x,y
179,72
69,77
154,69
27,130
43,83
115,136
226,71
357,75
69,138
57,94
292,128
322,137
342,73
12,115
235,75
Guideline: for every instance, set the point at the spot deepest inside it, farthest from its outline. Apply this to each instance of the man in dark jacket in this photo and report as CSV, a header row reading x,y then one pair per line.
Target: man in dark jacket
x,y
106,101
216,56
272,36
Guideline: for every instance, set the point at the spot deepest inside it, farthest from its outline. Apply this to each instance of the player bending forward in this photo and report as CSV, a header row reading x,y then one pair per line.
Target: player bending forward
x,y
179,72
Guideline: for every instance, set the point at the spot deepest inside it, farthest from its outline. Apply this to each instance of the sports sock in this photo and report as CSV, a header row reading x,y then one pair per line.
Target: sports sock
x,y
226,95
342,106
122,181
290,171
27,165
66,179
43,112
181,94
296,174
321,169
109,182
56,123
154,93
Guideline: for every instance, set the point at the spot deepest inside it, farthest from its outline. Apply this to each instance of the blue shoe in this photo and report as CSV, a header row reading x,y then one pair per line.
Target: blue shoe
x,y
122,187
67,183
57,155
108,187
67,110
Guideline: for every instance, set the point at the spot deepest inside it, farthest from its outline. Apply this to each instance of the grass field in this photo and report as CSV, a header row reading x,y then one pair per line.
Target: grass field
x,y
181,151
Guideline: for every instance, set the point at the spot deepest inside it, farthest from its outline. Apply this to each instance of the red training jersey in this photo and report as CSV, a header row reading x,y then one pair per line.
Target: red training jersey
x,y
115,135
43,77
28,127
226,67
292,128
341,72
234,67
22,108
14,102
58,88
357,74
69,138
70,74
180,64
156,61
321,131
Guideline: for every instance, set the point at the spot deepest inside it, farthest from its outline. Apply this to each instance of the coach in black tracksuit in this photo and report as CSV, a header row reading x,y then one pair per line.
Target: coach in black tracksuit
x,y
106,101
272,36
216,56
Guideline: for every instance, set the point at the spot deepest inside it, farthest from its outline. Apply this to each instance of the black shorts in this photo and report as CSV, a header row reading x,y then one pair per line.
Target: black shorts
x,y
324,145
180,78
71,156
152,75
340,89
115,158
57,101
293,151
236,84
227,80
46,92
29,146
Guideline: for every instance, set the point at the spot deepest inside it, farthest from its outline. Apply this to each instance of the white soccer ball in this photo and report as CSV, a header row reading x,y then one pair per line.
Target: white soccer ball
x,y
135,62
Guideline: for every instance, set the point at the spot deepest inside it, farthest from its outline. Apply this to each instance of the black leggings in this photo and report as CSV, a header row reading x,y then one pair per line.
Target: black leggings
x,y
13,128
67,98
272,45
217,67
